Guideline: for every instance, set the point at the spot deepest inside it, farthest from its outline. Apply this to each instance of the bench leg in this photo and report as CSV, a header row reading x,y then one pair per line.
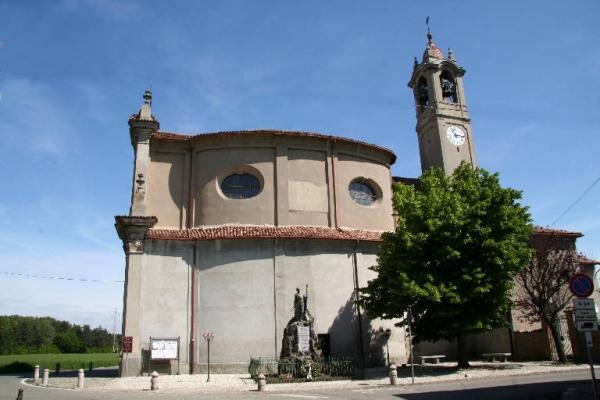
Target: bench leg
x,y
422,361
437,361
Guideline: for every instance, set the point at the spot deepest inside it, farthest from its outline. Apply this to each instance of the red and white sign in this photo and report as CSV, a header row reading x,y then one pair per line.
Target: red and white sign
x,y
127,344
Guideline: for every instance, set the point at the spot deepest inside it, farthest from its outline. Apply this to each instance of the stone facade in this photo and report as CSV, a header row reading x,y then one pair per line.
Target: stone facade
x,y
443,122
223,226
199,260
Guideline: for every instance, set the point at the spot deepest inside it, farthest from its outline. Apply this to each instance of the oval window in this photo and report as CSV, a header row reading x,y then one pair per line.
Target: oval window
x,y
240,186
362,193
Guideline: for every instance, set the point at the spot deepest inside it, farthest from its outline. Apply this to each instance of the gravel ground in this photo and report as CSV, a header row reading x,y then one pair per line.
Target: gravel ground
x,y
243,383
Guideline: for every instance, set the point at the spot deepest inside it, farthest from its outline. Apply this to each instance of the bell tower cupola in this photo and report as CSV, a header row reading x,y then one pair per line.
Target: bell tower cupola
x,y
443,122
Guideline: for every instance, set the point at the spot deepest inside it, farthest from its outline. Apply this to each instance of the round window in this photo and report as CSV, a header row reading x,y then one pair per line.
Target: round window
x,y
362,193
240,186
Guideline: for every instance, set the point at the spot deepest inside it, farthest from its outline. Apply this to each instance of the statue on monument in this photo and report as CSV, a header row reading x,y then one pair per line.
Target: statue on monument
x,y
299,337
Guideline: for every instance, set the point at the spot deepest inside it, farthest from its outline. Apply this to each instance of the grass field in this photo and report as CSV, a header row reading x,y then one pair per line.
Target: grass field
x,y
26,362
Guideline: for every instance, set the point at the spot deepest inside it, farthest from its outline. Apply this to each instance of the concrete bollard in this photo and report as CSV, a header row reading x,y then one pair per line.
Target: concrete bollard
x,y
20,394
393,374
46,377
262,383
154,381
36,374
80,378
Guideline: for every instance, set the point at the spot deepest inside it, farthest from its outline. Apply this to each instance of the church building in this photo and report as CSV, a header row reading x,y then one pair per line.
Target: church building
x,y
225,226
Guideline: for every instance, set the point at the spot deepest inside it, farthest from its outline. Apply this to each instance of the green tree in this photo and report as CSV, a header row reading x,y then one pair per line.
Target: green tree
x,y
459,242
68,342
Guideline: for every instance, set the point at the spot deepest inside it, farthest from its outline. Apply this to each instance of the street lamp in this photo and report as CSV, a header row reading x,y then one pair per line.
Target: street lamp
x,y
208,337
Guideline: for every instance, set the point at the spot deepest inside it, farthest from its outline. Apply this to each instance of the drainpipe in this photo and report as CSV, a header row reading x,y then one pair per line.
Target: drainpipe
x,y
194,298
358,312
193,312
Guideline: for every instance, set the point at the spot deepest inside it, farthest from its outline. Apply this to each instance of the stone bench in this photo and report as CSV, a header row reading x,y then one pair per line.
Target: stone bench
x,y
435,358
494,356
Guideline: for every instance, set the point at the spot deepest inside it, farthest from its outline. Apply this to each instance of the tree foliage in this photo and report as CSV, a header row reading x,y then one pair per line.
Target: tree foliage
x,y
458,244
24,335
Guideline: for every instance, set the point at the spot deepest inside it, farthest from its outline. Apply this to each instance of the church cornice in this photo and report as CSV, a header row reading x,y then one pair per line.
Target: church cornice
x,y
262,232
179,137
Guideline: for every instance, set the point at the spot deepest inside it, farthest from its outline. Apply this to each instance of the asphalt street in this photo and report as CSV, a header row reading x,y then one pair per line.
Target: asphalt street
x,y
531,387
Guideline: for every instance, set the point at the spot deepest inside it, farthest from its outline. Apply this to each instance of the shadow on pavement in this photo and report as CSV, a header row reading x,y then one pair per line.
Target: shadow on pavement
x,y
96,373
433,370
530,391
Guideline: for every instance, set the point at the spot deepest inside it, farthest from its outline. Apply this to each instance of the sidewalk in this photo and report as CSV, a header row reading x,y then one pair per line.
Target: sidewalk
x,y
231,383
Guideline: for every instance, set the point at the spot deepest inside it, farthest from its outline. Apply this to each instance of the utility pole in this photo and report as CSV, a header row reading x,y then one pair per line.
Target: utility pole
x,y
114,347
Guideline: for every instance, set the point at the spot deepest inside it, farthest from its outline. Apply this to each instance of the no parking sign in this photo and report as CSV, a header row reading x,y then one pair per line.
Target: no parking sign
x,y
581,285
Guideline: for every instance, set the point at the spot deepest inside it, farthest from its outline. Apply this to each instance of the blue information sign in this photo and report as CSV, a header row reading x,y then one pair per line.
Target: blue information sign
x,y
581,285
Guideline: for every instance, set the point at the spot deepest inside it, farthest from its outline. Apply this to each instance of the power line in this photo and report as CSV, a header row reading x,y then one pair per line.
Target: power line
x,y
62,278
576,201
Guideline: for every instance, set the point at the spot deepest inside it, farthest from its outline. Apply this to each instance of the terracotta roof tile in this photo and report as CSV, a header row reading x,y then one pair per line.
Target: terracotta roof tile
x,y
406,181
587,261
539,230
252,231
270,132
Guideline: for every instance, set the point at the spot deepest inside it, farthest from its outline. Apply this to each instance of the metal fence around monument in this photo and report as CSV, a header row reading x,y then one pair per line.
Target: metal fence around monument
x,y
290,370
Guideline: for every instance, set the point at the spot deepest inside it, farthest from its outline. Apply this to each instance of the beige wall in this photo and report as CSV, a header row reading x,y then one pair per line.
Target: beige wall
x,y
211,166
308,195
297,175
167,188
377,216
245,293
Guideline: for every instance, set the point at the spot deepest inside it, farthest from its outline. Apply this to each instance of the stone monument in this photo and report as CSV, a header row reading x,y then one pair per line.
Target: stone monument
x,y
300,341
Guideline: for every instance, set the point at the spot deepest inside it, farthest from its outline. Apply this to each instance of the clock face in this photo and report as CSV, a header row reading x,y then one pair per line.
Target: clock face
x,y
456,135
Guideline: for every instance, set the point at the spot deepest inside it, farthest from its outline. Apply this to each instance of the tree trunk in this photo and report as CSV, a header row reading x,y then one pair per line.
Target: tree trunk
x,y
560,350
461,351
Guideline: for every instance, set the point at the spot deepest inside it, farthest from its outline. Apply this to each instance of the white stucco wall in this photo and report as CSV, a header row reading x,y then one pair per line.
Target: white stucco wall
x,y
245,291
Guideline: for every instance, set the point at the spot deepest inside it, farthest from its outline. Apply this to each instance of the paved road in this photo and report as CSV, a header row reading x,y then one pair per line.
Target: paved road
x,y
532,387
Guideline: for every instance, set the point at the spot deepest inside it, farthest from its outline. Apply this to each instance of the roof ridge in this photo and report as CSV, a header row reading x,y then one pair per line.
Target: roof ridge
x,y
182,136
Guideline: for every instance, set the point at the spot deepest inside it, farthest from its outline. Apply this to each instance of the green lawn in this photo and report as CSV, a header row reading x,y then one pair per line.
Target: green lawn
x,y
26,362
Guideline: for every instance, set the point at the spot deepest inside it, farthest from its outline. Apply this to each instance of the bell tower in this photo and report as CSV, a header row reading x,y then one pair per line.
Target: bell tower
x,y
443,122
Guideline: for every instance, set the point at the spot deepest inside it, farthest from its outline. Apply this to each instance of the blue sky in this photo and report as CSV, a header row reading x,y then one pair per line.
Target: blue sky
x,y
71,73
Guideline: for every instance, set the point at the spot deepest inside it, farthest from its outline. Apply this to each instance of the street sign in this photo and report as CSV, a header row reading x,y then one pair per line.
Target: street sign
x,y
581,285
584,304
585,315
587,326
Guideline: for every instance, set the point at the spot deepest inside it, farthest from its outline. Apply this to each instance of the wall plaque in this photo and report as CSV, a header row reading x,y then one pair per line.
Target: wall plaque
x,y
164,348
303,339
127,344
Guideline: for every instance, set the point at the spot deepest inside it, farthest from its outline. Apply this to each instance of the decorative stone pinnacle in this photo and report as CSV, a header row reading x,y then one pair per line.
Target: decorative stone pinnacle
x,y
144,115
450,54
